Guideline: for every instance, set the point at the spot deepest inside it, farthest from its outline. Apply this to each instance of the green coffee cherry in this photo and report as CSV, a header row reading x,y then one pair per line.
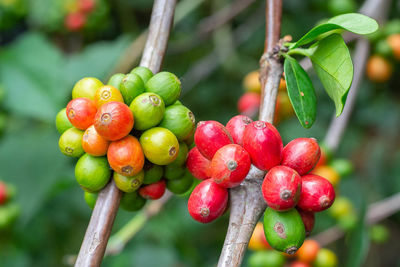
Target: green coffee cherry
x,y
182,155
131,86
270,258
182,184
143,72
379,234
179,120
284,231
70,143
325,258
92,173
91,199
128,184
148,110
173,171
116,80
86,87
166,85
152,173
343,166
8,214
62,122
132,201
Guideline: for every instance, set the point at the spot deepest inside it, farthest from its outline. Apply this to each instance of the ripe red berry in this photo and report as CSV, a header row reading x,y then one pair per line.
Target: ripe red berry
x,y
249,104
308,219
264,144
75,21
3,193
301,154
198,165
317,193
113,120
230,165
86,6
207,202
299,264
153,191
236,126
211,136
81,112
281,188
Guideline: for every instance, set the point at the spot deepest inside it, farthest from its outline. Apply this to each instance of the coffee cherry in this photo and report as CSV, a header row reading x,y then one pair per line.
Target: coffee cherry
x,y
166,85
182,155
86,87
126,156
116,80
131,87
230,165
86,6
106,94
308,219
281,188
93,143
62,121
113,121
75,21
343,167
143,72
317,193
308,251
211,136
153,191
152,173
92,173
81,112
182,184
128,184
269,258
198,165
251,82
379,69
379,234
70,143
173,171
148,110
132,201
90,199
179,120
326,258
301,154
341,207
264,144
325,157
257,240
394,42
3,193
249,104
236,126
328,173
207,202
299,264
284,231
160,145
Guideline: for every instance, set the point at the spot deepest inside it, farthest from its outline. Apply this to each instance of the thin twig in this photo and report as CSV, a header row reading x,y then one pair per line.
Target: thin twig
x,y
105,210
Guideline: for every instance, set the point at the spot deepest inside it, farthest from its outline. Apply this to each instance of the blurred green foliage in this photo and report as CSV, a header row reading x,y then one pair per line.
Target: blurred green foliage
x,y
38,70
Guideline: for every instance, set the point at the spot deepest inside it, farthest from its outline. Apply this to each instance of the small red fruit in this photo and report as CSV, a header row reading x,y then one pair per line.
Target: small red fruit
x,y
299,264
211,136
75,21
113,120
230,165
264,144
207,202
198,165
308,219
3,193
317,193
236,126
153,191
81,112
301,154
281,188
249,103
93,143
126,156
86,6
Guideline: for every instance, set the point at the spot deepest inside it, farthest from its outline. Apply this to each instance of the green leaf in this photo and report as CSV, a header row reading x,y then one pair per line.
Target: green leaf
x,y
352,22
332,63
301,92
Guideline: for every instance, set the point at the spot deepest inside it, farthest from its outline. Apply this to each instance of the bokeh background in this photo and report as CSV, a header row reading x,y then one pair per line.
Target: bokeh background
x,y
41,59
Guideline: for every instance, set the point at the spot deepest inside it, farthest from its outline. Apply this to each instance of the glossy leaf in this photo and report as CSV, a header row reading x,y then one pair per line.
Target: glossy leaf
x,y
352,22
301,92
332,63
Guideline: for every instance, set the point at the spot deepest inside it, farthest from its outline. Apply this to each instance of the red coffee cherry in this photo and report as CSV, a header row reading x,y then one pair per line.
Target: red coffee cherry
x,y
236,126
299,264
198,165
308,218
264,144
86,6
153,191
249,103
81,112
75,21
113,120
281,188
230,165
211,136
207,202
317,193
301,154
3,193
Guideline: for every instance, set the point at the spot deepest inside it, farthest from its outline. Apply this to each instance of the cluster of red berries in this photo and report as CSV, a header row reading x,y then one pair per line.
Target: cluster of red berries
x,y
9,210
223,156
136,126
76,20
